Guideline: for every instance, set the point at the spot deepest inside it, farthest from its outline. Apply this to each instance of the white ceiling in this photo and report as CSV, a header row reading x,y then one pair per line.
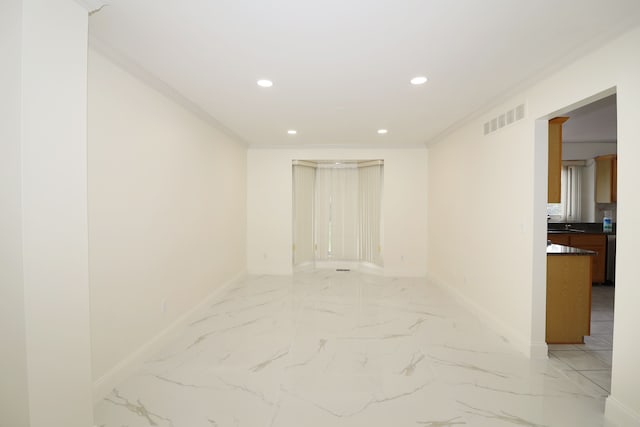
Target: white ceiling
x,y
341,68
595,122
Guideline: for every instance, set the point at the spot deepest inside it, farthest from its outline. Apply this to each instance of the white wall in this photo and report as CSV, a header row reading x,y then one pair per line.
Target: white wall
x,y
269,203
167,213
495,187
480,220
46,373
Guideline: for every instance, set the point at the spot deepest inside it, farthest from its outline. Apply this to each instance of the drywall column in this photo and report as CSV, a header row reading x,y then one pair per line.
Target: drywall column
x,y
44,306
623,404
14,407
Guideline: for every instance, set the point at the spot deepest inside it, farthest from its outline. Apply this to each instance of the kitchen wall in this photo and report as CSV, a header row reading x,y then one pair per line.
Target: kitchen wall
x,y
606,209
487,201
588,196
269,222
167,215
591,211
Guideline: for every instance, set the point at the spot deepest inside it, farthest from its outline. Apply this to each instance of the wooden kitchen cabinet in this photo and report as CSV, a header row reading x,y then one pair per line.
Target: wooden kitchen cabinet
x,y
607,179
555,159
591,242
559,239
598,244
568,299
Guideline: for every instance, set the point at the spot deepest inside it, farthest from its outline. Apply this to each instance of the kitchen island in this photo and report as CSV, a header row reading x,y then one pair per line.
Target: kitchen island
x,y
588,236
568,294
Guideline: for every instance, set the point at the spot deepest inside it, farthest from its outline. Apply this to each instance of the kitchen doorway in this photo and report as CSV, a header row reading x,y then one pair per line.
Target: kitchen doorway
x,y
589,170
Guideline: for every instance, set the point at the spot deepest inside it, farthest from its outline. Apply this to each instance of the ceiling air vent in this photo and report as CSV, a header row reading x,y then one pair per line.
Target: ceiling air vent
x,y
504,119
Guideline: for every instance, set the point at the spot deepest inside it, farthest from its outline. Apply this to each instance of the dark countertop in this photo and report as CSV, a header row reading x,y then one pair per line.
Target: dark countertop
x,y
606,233
579,227
554,249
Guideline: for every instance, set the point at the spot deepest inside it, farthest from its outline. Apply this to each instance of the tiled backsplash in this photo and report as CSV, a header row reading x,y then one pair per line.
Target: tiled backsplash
x,y
602,208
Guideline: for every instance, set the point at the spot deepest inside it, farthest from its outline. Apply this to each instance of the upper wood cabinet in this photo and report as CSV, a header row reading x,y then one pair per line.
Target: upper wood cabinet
x,y
606,179
555,159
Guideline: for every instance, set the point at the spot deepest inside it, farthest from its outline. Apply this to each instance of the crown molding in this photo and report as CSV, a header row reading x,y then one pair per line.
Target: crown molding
x,y
153,81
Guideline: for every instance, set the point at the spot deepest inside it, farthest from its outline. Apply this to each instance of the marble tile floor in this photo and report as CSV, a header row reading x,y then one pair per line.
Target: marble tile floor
x,y
328,348
590,363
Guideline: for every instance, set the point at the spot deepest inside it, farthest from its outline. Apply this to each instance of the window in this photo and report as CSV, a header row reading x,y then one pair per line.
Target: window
x,y
340,205
570,206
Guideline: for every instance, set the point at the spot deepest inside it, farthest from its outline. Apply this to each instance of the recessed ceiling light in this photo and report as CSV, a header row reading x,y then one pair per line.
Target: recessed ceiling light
x,y
292,131
382,131
418,80
265,83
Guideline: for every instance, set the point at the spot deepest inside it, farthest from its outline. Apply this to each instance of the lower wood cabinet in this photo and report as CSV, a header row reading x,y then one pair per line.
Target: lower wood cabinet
x,y
591,242
568,298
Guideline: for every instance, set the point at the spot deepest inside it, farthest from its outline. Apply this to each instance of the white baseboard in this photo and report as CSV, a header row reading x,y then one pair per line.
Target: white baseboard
x,y
409,272
537,350
304,267
370,268
619,415
129,365
270,271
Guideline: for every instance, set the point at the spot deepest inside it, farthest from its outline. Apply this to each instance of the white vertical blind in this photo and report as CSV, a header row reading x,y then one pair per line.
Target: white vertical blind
x,y
571,195
323,213
370,213
344,213
572,192
340,205
303,213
